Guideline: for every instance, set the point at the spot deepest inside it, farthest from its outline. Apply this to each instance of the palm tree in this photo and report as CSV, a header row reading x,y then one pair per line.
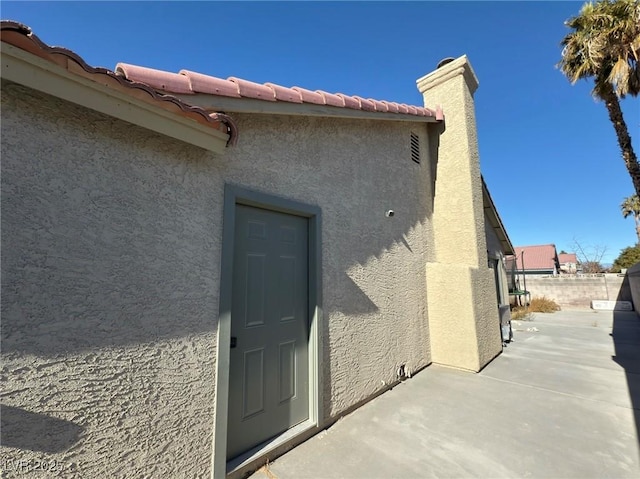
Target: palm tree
x,y
605,45
631,207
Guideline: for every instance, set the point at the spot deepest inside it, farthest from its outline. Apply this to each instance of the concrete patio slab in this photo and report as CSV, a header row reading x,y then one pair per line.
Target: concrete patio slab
x,y
562,401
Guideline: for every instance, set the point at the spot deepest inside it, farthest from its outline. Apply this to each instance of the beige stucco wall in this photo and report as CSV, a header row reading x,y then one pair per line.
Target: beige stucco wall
x,y
373,266
111,241
463,317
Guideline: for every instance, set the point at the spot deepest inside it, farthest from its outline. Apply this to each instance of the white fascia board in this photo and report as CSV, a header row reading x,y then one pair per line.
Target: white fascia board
x,y
34,72
249,105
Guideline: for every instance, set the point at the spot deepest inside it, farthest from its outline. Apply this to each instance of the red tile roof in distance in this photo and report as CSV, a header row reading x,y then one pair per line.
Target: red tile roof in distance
x,y
537,257
21,36
567,258
189,82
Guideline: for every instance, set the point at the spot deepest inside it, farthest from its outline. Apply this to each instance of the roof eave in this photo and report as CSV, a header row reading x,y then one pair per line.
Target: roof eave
x,y
256,106
496,222
22,67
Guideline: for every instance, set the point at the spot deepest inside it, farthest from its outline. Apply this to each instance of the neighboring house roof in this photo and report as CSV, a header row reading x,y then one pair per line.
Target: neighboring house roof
x,y
537,257
20,36
494,219
232,89
567,258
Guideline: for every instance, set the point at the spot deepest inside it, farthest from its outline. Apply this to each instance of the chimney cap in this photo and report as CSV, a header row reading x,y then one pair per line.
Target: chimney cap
x,y
444,61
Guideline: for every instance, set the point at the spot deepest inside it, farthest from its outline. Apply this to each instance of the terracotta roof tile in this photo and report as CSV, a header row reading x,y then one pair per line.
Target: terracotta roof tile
x,y
379,105
249,89
153,83
349,101
365,104
285,94
309,96
331,99
160,80
392,106
21,36
200,83
188,82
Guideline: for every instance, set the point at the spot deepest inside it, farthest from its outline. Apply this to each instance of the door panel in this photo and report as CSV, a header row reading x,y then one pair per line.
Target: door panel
x,y
287,278
253,384
268,377
287,366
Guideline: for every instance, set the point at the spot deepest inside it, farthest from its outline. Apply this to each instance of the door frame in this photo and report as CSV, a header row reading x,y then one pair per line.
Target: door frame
x,y
237,195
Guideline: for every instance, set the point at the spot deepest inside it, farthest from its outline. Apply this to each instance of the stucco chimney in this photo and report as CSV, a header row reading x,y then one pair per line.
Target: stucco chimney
x,y
458,184
463,314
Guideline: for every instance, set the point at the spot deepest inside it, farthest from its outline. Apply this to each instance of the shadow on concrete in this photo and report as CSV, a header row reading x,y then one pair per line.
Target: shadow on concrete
x,y
626,340
36,432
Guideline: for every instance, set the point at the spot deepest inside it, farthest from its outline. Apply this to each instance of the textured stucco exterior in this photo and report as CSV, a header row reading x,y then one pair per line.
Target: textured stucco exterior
x,y
463,319
111,244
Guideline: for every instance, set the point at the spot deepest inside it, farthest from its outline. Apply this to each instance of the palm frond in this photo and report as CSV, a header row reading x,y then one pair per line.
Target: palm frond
x,y
619,77
604,44
631,206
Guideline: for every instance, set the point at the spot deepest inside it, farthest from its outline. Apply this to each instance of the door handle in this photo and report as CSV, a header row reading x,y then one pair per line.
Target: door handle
x,y
234,342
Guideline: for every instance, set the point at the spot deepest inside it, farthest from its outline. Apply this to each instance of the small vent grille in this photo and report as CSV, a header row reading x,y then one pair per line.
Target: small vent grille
x,y
415,147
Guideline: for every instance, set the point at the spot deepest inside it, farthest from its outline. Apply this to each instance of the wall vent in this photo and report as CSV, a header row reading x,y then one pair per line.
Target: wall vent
x,y
415,147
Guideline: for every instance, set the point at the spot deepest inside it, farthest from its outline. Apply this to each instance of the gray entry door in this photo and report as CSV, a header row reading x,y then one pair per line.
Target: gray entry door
x,y
269,361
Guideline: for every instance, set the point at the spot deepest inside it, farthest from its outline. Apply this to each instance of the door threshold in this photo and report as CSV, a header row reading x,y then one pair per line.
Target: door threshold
x,y
269,449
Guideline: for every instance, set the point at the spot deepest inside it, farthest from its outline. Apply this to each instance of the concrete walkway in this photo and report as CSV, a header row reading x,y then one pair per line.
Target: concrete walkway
x,y
562,401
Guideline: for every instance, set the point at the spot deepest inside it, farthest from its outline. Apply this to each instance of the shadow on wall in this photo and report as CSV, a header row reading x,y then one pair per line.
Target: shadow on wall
x,y
626,340
22,429
435,132
117,249
89,251
352,300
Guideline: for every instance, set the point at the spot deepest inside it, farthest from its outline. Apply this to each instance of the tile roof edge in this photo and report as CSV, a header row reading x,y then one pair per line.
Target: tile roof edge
x,y
46,52
234,87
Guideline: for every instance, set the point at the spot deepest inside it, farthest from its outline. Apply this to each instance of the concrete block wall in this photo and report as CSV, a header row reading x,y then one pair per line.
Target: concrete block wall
x,y
578,292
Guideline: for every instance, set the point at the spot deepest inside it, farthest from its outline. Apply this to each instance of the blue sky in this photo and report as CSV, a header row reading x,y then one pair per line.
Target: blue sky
x,y
548,151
